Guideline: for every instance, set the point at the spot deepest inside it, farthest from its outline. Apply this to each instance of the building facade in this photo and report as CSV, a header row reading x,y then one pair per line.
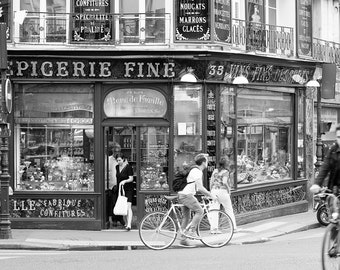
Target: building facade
x,y
90,75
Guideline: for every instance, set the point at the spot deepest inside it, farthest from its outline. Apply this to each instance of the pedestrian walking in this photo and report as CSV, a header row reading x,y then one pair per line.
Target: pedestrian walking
x,y
220,187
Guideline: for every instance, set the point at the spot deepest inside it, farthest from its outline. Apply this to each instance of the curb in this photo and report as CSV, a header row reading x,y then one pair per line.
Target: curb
x,y
122,246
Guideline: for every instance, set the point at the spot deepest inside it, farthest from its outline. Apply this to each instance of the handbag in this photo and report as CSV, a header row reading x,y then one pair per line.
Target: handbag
x,y
121,206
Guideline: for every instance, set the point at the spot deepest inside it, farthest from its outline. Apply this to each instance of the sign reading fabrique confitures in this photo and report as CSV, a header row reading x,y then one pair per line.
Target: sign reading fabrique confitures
x,y
52,208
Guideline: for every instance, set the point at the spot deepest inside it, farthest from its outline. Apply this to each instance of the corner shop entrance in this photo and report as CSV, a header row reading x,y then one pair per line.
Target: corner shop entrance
x,y
147,151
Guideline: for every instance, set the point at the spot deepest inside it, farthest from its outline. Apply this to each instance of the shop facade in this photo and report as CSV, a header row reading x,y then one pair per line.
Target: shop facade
x,y
69,112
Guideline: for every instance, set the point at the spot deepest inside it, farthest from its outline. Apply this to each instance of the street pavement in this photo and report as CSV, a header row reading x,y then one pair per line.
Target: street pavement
x,y
256,232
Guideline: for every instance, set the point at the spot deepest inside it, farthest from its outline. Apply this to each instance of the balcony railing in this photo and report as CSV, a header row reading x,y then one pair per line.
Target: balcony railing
x,y
115,29
326,51
143,29
265,38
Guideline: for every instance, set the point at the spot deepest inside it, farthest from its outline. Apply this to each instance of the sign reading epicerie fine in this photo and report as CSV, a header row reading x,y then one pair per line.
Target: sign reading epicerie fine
x,y
92,69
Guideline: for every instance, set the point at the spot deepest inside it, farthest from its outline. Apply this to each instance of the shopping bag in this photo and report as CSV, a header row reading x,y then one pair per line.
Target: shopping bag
x,y
121,206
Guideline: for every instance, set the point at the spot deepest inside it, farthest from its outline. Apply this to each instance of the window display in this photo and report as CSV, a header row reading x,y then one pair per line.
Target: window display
x,y
264,136
188,124
227,139
154,158
55,158
301,149
54,138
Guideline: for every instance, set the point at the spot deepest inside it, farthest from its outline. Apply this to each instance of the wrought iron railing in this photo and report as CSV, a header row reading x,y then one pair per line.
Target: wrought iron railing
x,y
139,28
266,38
144,29
326,51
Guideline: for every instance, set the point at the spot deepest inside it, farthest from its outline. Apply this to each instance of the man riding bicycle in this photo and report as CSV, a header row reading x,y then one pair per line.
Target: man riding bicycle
x,y
331,165
188,199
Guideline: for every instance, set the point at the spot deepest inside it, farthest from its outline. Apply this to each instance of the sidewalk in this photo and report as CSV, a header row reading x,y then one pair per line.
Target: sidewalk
x,y
255,232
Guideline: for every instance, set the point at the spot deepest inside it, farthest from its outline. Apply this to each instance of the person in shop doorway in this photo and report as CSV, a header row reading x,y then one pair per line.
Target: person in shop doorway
x,y
220,187
112,189
124,173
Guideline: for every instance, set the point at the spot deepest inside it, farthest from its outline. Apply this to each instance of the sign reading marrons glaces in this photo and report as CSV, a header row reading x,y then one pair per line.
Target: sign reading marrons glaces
x,y
192,20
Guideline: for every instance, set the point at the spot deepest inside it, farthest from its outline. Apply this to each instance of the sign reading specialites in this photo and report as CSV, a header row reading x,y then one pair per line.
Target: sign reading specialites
x,y
192,20
304,28
91,21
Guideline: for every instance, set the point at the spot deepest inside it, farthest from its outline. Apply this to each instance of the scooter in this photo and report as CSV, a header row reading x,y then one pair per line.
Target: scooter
x,y
320,207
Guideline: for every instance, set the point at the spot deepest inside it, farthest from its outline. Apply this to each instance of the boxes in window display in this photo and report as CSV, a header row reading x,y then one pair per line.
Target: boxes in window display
x,y
65,173
250,171
153,178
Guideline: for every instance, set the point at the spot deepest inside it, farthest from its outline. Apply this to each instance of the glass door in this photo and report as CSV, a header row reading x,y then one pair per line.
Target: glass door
x,y
154,153
121,140
147,151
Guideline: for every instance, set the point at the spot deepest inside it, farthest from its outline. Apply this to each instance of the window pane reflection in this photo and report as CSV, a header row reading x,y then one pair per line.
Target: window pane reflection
x,y
264,136
188,124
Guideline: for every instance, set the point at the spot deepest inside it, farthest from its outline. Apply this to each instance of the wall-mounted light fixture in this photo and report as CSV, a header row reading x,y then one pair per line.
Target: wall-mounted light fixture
x,y
189,76
240,80
313,83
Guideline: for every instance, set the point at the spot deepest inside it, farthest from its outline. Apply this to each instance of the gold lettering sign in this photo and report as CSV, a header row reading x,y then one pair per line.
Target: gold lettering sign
x,y
135,103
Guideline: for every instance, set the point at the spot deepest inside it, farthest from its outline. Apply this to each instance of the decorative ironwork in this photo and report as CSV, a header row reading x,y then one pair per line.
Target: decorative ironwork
x,y
268,198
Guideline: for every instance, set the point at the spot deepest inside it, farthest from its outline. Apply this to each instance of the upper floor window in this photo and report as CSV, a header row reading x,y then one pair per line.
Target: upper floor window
x,y
100,21
271,9
45,21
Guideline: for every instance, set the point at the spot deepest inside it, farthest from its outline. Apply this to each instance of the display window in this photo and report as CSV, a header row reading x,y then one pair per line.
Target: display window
x,y
301,147
257,134
264,135
53,138
187,124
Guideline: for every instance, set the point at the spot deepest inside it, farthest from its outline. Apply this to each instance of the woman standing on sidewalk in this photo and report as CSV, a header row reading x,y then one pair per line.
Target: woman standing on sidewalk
x,y
220,187
125,178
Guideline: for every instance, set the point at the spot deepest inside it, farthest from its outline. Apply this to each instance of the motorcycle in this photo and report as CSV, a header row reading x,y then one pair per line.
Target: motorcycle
x,y
321,208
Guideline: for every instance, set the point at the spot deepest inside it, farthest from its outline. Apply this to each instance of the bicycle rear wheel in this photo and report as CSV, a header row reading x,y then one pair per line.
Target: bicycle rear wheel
x,y
215,228
330,248
157,231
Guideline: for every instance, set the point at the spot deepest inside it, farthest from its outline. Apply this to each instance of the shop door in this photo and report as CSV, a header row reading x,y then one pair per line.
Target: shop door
x,y
147,151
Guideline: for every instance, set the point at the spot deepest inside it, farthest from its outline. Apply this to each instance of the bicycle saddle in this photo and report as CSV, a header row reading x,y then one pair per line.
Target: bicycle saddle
x,y
171,197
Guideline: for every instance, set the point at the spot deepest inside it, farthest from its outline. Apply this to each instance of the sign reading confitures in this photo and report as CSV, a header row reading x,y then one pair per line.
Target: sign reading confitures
x,y
52,208
155,69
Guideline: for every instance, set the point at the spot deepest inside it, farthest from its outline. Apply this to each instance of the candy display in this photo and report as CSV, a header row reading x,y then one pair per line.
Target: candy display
x,y
55,159
64,173
153,178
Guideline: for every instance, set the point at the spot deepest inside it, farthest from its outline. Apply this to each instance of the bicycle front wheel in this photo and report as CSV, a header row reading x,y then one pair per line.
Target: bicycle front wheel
x,y
330,248
157,231
215,228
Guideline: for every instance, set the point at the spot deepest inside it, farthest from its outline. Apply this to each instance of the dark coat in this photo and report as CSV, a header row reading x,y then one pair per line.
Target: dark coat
x,y
331,165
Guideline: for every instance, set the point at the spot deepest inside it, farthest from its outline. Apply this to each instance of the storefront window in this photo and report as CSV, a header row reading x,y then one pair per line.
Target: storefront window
x,y
188,124
264,135
53,138
227,126
301,149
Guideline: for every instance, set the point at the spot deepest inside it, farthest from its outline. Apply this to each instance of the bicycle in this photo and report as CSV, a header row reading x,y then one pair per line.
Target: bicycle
x,y
331,241
159,230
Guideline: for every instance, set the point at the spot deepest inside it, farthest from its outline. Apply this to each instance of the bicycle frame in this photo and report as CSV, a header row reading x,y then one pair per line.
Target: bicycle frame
x,y
174,208
158,230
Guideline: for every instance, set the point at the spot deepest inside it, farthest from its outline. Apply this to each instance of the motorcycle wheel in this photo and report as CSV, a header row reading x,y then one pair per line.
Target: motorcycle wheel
x,y
322,216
